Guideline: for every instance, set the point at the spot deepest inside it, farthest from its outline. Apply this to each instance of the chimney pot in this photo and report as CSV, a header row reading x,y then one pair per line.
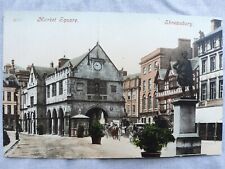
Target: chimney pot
x,y
215,23
13,62
51,64
124,73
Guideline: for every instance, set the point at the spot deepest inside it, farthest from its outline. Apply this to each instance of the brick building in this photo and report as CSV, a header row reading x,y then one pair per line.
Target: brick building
x,y
131,94
150,64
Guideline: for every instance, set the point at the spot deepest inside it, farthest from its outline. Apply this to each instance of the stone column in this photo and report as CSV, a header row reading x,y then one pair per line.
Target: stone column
x,y
53,126
59,126
187,140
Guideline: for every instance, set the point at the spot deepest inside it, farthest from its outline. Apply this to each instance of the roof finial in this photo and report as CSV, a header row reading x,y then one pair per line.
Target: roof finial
x,y
201,34
52,65
97,42
79,111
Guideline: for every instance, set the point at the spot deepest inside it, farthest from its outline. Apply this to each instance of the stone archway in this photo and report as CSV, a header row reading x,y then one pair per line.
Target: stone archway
x,y
49,122
55,122
97,113
61,122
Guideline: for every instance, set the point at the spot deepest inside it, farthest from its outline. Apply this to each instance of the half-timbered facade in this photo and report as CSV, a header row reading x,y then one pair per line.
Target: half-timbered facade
x,y
150,64
168,89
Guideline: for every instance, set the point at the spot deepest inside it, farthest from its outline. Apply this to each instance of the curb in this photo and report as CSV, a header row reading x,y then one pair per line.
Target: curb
x,y
10,148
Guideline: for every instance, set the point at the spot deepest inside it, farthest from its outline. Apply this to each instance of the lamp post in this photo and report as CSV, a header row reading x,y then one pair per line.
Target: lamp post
x,y
16,114
69,125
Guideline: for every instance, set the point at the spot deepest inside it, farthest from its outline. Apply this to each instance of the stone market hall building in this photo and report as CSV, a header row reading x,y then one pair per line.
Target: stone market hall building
x,y
90,85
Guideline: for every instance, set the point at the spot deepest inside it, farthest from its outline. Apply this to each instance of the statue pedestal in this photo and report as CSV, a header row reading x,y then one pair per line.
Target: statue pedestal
x,y
187,140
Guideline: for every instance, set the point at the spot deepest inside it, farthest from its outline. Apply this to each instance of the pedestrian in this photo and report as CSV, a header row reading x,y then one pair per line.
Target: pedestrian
x,y
6,139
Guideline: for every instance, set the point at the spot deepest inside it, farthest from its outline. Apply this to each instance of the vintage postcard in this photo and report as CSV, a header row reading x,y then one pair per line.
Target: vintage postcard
x,y
111,85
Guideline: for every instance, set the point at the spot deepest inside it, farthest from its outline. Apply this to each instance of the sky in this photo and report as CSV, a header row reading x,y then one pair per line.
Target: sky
x,y
44,37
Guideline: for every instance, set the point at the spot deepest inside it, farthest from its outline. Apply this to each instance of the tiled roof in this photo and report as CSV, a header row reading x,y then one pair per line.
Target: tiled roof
x,y
75,61
43,70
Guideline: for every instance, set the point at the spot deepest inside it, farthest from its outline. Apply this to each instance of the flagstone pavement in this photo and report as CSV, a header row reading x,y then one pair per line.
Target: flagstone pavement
x,y
53,146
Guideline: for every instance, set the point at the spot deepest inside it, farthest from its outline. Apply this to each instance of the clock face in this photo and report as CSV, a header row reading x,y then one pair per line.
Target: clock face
x,y
97,66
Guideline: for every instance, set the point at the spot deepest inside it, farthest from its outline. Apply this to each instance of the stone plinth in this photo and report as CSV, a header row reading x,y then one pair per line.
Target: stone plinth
x,y
187,140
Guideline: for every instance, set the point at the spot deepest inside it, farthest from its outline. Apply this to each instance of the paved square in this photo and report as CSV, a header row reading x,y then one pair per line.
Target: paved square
x,y
54,146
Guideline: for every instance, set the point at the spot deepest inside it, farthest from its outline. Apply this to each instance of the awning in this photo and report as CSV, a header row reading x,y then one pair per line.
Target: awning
x,y
80,116
209,114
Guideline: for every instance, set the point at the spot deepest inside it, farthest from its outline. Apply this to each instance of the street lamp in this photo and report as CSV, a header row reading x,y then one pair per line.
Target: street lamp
x,y
16,114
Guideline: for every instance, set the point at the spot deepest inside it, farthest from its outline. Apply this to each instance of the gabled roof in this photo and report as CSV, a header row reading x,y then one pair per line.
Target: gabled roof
x,y
74,62
77,60
41,71
162,74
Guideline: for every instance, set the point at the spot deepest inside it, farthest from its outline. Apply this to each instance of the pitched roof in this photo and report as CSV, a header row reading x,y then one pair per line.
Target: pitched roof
x,y
43,70
75,61
162,73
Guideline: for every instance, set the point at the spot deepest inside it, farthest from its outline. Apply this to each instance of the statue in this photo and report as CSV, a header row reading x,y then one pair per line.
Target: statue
x,y
201,34
184,71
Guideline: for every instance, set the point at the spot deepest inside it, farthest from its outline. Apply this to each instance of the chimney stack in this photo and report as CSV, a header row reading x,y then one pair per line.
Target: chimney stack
x,y
124,73
215,23
28,68
186,43
62,61
13,67
52,65
13,63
